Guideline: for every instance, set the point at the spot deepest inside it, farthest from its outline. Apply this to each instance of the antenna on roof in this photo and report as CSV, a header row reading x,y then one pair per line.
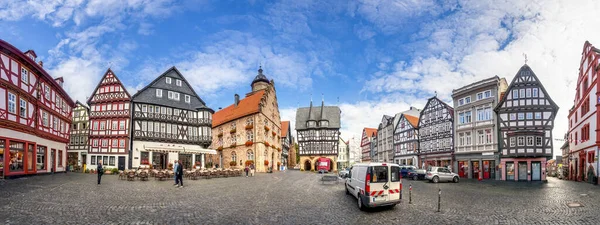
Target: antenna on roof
x,y
435,93
525,55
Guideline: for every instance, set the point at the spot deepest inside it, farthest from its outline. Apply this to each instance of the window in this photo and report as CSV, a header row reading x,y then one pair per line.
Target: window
x,y
512,142
111,161
521,141
233,157
24,75
41,158
176,96
102,125
395,173
529,140
480,137
521,116
178,82
168,80
538,141
23,108
513,116
12,103
522,93
534,92
144,108
47,91
104,160
468,100
487,94
122,143
515,94
324,123
104,143
480,96
461,102
159,93
249,135
114,143
187,99
528,92
93,160
468,117
461,139
538,115
95,143
379,174
115,125
461,118
529,115
170,94
468,138
488,136
60,158
250,155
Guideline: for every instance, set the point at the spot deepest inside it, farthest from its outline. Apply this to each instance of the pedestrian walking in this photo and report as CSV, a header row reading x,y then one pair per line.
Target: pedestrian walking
x,y
252,169
179,175
175,165
100,171
246,170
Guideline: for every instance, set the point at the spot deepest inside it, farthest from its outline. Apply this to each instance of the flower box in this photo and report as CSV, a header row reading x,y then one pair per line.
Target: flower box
x,y
249,143
232,145
249,162
267,128
273,132
267,144
232,163
266,162
249,126
220,135
232,131
220,148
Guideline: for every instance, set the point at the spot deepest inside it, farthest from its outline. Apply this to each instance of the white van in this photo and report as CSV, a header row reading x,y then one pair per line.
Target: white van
x,y
374,184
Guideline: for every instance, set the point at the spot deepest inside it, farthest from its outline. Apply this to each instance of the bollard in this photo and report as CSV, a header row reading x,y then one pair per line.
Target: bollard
x,y
410,194
439,198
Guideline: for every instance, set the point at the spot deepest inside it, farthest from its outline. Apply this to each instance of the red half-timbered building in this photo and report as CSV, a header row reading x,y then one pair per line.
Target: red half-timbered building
x,y
35,115
109,123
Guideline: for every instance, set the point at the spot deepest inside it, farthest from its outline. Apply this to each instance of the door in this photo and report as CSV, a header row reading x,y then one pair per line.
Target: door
x,y
492,169
121,162
395,184
52,160
523,171
475,169
536,171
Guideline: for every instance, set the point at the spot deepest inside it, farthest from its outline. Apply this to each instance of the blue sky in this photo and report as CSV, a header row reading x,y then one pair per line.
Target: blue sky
x,y
379,57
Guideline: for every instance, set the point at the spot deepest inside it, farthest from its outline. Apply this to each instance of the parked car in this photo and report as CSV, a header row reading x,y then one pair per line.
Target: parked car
x,y
418,174
343,173
404,170
374,184
437,174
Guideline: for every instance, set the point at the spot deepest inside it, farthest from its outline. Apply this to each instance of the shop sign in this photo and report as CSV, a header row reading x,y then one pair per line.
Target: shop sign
x,y
487,153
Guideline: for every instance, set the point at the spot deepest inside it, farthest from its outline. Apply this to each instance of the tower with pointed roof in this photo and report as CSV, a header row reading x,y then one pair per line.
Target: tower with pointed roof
x,y
170,122
249,130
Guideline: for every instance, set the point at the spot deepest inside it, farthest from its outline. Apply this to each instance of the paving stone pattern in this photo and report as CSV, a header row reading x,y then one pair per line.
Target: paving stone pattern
x,y
290,197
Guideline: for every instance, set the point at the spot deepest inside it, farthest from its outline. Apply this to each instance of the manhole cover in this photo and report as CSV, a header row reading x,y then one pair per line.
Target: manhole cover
x,y
574,205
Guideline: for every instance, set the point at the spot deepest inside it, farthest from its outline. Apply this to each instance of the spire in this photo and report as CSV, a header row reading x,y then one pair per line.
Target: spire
x,y
322,105
260,70
525,55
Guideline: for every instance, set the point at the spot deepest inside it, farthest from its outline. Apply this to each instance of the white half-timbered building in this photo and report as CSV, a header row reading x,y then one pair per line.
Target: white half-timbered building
x,y
109,123
170,122
525,120
35,116
436,134
406,140
318,131
80,129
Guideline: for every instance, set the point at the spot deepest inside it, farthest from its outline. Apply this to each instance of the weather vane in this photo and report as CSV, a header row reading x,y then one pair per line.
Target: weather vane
x,y
525,55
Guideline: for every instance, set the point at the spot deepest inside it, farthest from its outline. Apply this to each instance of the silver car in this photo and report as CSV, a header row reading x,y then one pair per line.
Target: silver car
x,y
437,174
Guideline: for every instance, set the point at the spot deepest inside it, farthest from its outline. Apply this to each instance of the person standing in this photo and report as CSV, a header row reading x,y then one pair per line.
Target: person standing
x,y
246,170
252,169
100,171
179,175
175,165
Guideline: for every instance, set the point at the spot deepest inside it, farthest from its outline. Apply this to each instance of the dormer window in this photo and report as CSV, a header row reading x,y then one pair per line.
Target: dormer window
x,y
168,80
323,123
311,124
178,82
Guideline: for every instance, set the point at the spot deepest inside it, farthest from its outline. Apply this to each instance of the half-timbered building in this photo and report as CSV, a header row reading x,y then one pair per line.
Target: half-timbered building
x,y
318,132
35,115
78,144
249,130
286,141
365,143
476,137
109,123
170,122
385,135
406,138
436,134
525,121
583,119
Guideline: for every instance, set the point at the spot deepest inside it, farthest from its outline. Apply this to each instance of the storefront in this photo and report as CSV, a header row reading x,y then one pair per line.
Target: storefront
x,y
476,165
161,157
407,160
19,157
524,169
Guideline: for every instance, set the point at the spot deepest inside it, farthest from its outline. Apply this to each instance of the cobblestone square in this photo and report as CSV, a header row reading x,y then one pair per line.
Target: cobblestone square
x,y
290,197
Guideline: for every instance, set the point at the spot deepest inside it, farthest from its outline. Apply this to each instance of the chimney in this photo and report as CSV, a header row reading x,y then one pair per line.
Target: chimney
x,y
236,99
60,81
41,63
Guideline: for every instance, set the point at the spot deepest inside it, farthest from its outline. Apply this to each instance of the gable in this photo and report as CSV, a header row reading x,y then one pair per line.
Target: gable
x,y
434,105
525,79
109,85
247,106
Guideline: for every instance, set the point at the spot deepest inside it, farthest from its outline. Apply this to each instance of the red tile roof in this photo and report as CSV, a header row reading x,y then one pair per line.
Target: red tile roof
x,y
413,120
245,107
371,131
285,125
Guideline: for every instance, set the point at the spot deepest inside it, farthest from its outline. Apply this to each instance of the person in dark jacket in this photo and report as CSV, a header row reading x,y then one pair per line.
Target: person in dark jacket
x,y
179,175
100,171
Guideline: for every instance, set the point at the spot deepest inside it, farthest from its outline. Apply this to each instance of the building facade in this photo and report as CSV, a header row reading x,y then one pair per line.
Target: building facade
x,y
406,140
170,122
109,123
343,159
318,132
583,119
35,116
436,139
249,130
365,143
78,143
476,137
525,120
286,142
385,136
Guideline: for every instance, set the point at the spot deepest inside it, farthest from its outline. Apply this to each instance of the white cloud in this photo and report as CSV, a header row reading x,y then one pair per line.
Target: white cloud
x,y
466,47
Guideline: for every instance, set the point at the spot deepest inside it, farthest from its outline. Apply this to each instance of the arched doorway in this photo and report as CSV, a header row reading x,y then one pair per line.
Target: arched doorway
x,y
307,165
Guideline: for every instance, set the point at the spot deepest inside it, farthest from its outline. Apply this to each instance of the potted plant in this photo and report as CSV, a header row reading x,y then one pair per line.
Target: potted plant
x,y
115,171
267,144
249,143
267,128
249,162
232,131
232,163
266,162
249,126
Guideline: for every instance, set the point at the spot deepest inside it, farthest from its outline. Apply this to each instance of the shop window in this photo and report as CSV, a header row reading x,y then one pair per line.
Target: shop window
x,y
144,158
30,161
17,151
510,171
41,157
93,160
111,162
